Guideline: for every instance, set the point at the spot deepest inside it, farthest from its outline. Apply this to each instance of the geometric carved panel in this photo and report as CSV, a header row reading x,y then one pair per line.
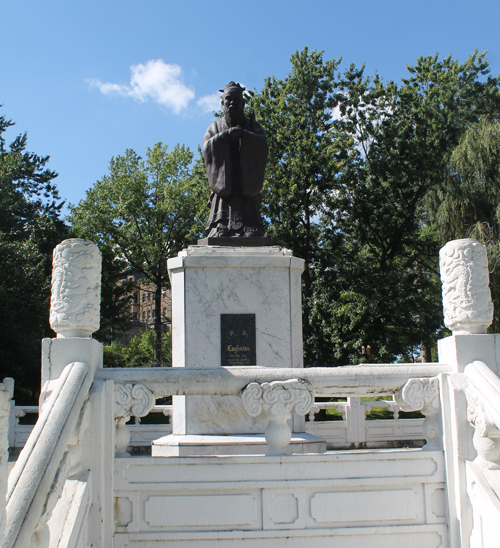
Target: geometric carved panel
x,y
200,510
123,511
283,509
438,503
361,506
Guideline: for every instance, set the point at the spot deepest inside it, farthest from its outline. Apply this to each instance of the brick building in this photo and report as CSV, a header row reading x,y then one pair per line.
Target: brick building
x,y
142,307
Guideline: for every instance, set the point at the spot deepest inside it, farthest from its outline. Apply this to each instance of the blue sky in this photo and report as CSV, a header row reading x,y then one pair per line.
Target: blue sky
x,y
87,80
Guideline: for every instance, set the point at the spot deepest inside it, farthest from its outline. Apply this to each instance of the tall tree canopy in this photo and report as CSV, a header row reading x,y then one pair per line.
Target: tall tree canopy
x,y
355,166
468,205
30,227
301,172
142,213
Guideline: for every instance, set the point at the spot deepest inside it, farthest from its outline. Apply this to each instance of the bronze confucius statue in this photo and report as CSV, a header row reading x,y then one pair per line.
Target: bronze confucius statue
x,y
235,151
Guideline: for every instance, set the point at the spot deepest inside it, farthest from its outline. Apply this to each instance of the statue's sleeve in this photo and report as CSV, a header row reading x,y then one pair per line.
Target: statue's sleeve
x,y
254,151
217,156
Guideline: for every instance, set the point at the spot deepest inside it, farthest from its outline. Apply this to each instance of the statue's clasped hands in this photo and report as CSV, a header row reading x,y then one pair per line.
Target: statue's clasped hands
x,y
235,132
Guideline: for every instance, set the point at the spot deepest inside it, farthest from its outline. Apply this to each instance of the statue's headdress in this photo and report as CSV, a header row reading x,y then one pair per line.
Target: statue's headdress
x,y
232,86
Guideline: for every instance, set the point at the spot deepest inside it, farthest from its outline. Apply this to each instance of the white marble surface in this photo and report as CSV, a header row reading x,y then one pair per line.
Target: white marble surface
x,y
467,302
243,444
346,499
76,288
210,281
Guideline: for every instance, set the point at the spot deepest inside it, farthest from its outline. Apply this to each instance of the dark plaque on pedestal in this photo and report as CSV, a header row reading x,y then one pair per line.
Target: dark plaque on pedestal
x,y
237,337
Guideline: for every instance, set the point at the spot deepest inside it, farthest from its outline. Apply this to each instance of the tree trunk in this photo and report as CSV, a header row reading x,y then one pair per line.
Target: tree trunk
x,y
425,352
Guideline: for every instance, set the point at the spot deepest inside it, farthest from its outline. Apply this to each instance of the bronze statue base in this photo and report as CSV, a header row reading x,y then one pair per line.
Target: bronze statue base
x,y
237,242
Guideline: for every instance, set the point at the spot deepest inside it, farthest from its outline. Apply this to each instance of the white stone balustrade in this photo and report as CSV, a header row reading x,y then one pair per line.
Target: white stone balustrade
x,y
353,381
354,412
76,289
483,412
276,401
467,302
336,433
417,498
31,479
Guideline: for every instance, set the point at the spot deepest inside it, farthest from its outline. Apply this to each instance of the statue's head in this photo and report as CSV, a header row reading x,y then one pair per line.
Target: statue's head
x,y
233,104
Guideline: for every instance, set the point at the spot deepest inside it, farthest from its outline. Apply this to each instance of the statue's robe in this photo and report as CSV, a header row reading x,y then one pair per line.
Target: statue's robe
x,y
235,170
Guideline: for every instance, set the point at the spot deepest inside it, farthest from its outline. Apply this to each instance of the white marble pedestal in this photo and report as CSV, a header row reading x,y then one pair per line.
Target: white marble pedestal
x,y
208,281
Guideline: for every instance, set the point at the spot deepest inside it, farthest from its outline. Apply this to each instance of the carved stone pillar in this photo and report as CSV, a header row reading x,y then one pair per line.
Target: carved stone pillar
x,y
423,395
5,397
486,438
76,289
275,401
131,400
467,302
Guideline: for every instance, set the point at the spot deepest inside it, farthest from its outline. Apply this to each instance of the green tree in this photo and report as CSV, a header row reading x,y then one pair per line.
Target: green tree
x,y
116,292
139,352
30,227
468,204
354,164
296,114
380,283
471,193
145,211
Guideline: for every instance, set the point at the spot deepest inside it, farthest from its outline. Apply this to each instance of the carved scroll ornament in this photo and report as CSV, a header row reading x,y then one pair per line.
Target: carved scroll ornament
x,y
130,400
423,395
133,400
277,400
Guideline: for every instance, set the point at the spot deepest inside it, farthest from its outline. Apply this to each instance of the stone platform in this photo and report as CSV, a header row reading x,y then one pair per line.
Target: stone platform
x,y
348,499
245,444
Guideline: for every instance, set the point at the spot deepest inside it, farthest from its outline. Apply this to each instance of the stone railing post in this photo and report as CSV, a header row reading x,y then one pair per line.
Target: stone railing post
x,y
5,399
8,385
275,401
467,306
74,309
467,302
75,302
355,418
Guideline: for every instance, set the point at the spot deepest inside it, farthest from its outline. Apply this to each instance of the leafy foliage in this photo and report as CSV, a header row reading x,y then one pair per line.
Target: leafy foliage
x,y
469,204
301,171
139,352
30,227
142,213
356,171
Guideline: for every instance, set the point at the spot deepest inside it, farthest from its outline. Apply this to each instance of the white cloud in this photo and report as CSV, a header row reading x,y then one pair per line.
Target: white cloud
x,y
157,81
209,103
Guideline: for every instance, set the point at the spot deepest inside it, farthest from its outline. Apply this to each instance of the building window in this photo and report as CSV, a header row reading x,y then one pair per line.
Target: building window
x,y
143,316
164,312
164,293
149,314
136,298
149,297
144,297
